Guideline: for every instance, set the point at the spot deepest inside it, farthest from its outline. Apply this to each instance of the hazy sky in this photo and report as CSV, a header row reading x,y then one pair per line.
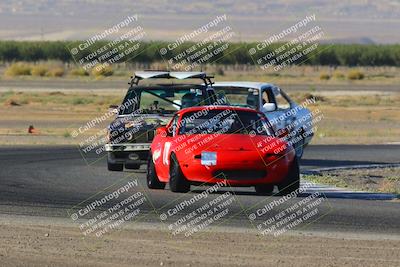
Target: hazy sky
x,y
351,21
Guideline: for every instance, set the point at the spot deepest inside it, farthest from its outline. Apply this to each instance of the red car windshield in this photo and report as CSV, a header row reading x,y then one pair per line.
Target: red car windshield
x,y
226,121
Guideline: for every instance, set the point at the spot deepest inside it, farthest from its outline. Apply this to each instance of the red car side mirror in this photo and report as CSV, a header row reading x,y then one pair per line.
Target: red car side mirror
x,y
282,133
162,131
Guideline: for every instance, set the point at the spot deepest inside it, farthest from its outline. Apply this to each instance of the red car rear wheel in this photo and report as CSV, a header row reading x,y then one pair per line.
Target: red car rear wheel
x,y
292,181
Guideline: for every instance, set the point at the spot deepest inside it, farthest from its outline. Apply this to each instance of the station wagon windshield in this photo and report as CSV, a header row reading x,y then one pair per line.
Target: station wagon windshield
x,y
162,100
238,96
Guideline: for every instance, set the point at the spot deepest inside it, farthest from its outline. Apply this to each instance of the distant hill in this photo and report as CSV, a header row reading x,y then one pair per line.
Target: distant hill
x,y
355,20
382,9
360,40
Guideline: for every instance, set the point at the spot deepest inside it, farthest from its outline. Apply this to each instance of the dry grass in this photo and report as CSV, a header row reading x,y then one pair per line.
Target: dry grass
x,y
48,69
306,75
59,99
384,180
350,119
39,70
18,69
355,75
324,76
102,71
79,72
55,72
355,119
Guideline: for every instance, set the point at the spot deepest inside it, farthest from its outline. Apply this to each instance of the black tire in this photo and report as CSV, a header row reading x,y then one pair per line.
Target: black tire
x,y
292,181
264,189
177,182
151,177
131,166
115,167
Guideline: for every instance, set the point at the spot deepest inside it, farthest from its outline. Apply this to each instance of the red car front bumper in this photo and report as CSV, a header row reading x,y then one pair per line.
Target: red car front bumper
x,y
238,168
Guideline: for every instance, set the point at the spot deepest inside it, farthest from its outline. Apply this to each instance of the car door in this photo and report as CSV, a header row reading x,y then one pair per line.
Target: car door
x,y
277,117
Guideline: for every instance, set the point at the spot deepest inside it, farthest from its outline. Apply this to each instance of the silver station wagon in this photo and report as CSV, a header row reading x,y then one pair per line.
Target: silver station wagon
x,y
289,120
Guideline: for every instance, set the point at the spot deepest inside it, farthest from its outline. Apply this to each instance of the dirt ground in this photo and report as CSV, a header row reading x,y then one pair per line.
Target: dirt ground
x,y
30,242
384,180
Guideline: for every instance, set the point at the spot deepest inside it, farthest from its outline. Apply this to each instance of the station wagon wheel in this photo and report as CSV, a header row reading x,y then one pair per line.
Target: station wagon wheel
x,y
177,181
152,179
112,166
292,181
116,167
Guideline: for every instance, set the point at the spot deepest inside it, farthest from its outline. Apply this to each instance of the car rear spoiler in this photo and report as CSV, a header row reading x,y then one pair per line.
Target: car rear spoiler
x,y
151,74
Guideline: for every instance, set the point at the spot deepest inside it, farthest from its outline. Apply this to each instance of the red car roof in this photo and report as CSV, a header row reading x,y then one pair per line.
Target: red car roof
x,y
198,108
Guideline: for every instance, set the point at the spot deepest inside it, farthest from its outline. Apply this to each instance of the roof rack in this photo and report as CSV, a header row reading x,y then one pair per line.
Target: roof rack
x,y
161,74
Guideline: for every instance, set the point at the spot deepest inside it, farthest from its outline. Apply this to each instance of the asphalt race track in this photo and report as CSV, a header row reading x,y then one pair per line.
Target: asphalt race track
x,y
51,181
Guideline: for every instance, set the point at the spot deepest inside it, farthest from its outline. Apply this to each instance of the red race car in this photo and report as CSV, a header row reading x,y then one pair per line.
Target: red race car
x,y
221,144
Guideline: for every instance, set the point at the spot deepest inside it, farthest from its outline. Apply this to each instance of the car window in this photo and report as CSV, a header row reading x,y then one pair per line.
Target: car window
x,y
224,122
160,100
238,96
267,96
173,126
281,102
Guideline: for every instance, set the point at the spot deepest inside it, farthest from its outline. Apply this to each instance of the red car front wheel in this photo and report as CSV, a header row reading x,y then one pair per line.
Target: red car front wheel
x,y
264,189
177,181
152,179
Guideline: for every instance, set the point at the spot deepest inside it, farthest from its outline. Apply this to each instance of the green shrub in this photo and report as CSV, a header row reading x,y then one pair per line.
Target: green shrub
x,y
324,76
17,69
355,75
81,101
57,93
317,98
12,102
67,134
39,70
102,70
220,71
339,75
328,54
56,72
79,72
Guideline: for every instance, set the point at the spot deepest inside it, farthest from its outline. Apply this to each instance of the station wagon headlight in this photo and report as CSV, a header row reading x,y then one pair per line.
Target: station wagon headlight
x,y
111,135
129,136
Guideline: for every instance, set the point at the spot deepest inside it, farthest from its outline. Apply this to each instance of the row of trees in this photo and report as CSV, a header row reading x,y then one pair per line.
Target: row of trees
x,y
237,53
